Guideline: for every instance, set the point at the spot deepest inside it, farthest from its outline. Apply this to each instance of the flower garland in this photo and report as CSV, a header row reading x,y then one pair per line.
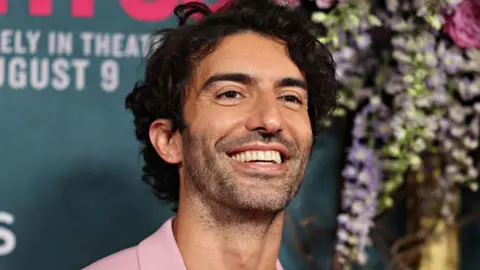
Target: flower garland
x,y
420,94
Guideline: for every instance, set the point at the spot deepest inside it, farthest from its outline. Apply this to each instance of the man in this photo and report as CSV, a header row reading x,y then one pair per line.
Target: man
x,y
226,115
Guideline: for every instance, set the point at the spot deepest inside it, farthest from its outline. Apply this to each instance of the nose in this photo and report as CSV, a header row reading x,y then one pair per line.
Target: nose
x,y
265,115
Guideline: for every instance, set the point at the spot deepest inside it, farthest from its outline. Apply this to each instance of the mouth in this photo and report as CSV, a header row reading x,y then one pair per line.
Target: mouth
x,y
259,157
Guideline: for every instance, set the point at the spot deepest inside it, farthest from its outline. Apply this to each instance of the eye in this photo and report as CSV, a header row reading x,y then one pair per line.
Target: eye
x,y
291,98
230,94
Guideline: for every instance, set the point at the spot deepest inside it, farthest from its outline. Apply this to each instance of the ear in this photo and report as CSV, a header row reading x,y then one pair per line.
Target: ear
x,y
167,143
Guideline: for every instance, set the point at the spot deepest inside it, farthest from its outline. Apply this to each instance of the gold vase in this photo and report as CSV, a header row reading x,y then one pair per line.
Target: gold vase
x,y
438,248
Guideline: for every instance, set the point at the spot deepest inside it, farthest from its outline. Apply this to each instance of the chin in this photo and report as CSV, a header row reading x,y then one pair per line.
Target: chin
x,y
256,200
266,207
261,192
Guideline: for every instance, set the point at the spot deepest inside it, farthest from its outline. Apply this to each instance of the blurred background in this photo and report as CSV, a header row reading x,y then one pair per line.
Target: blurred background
x,y
390,185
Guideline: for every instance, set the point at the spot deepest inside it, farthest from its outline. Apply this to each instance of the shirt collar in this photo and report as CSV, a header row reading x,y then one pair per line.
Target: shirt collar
x,y
161,249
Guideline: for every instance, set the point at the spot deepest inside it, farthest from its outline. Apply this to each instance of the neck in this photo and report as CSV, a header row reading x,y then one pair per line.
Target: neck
x,y
212,236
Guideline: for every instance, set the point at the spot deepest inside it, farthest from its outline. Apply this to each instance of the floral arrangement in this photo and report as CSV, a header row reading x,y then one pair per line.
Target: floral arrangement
x,y
410,72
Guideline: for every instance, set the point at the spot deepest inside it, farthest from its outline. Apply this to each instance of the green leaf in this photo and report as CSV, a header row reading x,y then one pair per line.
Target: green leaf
x,y
335,40
408,78
323,40
373,20
401,56
319,17
473,186
339,112
386,202
353,20
435,21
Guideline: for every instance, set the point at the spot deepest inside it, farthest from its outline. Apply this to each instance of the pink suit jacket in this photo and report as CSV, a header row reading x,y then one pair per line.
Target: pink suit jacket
x,y
157,252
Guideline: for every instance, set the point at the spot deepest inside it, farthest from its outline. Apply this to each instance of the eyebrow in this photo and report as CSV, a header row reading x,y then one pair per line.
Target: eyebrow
x,y
292,82
249,80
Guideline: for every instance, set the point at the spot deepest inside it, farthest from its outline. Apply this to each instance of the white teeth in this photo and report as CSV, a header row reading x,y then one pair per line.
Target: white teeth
x,y
260,156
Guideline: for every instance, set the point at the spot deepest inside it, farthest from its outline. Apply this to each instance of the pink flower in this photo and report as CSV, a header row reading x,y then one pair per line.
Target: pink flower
x,y
289,3
463,26
324,4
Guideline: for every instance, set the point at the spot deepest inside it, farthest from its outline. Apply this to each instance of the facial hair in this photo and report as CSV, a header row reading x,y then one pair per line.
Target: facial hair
x,y
210,174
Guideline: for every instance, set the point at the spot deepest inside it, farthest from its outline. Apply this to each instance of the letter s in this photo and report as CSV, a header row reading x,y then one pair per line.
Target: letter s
x,y
7,236
148,11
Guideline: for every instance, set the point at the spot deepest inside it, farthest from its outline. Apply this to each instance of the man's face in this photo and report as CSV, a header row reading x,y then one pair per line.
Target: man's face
x,y
248,135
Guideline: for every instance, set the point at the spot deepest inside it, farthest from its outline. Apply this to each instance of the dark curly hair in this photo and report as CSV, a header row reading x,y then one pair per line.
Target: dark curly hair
x,y
171,64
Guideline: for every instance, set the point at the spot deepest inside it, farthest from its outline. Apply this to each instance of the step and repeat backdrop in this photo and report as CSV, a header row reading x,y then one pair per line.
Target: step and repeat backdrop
x,y
70,188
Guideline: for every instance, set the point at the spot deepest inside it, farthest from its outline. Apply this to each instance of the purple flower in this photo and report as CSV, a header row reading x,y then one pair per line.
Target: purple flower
x,y
379,125
464,88
363,178
475,126
382,130
404,68
468,89
439,97
392,5
457,113
345,54
425,41
363,41
437,80
476,108
349,172
452,61
395,84
359,128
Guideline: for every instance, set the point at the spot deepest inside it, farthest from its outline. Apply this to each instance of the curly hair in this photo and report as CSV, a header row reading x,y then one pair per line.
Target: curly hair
x,y
170,66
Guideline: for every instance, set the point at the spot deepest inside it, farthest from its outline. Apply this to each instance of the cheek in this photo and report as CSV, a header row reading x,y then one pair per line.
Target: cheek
x,y
300,127
212,122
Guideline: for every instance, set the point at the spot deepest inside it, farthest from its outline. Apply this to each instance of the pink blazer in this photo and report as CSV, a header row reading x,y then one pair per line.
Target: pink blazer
x,y
158,251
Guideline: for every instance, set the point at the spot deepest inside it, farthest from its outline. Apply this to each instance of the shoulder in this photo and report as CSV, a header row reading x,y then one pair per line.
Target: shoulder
x,y
160,248
126,259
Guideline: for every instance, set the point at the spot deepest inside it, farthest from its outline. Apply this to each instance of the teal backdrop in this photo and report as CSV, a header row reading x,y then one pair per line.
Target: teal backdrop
x,y
70,188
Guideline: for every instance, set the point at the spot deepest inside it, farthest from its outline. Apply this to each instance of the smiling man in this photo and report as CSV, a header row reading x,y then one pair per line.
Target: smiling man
x,y
226,115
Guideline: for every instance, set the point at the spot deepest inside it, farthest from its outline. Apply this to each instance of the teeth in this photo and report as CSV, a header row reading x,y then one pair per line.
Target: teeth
x,y
260,156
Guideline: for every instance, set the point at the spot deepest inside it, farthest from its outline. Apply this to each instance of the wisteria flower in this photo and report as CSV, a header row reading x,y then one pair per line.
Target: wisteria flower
x,y
452,60
437,80
407,100
359,202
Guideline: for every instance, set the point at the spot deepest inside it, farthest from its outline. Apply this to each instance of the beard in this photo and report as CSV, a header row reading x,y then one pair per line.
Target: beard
x,y
210,174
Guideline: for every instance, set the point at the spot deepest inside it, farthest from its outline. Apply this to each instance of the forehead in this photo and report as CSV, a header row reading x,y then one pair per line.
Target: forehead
x,y
251,53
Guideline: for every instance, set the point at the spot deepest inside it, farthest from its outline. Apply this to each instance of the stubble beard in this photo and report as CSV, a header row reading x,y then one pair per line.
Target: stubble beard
x,y
213,181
